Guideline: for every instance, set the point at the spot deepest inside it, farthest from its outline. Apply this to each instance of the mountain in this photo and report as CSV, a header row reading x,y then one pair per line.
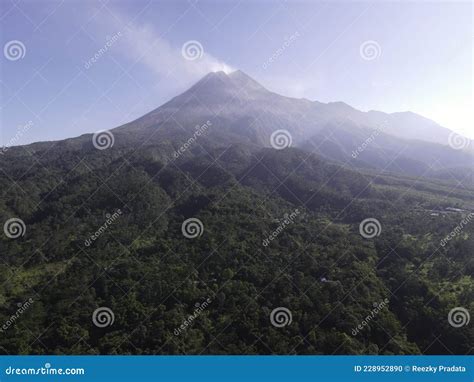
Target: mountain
x,y
103,229
241,110
239,96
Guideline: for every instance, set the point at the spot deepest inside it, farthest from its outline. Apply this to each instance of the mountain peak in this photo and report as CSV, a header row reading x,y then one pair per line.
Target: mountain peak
x,y
219,74
221,84
212,92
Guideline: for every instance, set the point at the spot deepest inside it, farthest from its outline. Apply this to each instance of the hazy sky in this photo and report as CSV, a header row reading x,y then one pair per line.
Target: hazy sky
x,y
385,56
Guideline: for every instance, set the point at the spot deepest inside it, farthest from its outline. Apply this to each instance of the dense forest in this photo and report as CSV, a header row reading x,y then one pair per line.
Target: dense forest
x,y
105,229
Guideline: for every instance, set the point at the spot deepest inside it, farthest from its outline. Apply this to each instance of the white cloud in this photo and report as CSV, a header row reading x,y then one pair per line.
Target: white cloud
x,y
143,45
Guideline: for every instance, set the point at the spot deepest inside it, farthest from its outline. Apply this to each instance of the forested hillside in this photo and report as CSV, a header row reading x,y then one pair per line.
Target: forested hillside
x,y
280,228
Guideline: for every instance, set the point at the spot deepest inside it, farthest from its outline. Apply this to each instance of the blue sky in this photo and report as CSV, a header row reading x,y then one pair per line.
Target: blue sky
x,y
374,56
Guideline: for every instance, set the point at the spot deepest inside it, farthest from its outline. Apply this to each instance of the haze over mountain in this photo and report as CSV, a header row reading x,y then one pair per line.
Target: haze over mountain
x,y
243,111
237,96
169,208
156,173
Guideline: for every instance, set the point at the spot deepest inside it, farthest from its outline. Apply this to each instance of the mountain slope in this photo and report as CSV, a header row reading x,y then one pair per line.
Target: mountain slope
x,y
151,276
242,111
279,228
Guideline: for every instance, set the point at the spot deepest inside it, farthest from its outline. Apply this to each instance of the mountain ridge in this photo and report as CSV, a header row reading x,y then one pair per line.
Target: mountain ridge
x,y
241,111
240,84
240,81
158,177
